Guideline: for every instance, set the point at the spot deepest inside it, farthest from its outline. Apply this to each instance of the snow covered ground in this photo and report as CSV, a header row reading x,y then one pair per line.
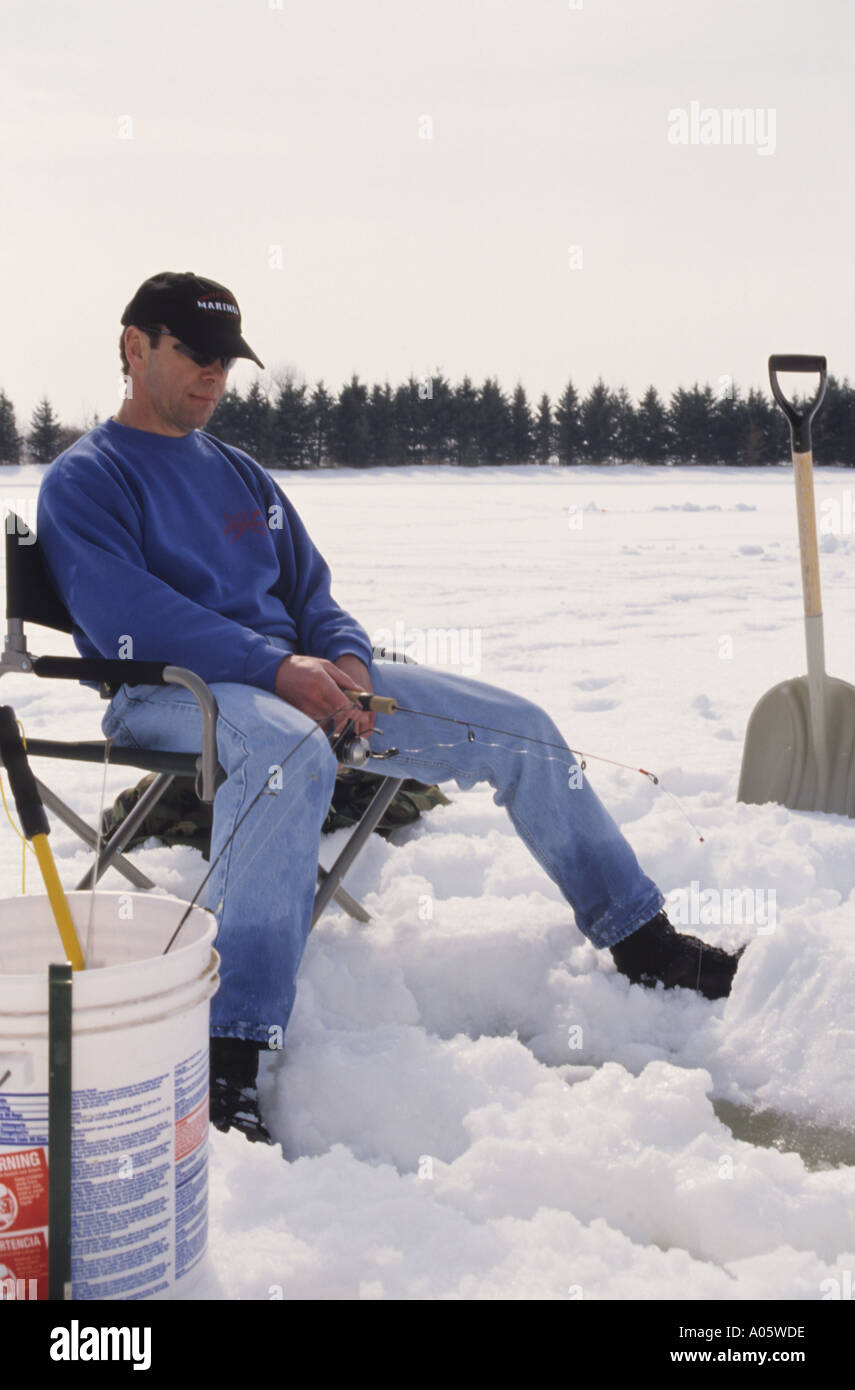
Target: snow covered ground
x,y
473,1103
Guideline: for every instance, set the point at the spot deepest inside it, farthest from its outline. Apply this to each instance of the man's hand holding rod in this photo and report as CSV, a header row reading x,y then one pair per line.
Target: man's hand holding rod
x,y
317,687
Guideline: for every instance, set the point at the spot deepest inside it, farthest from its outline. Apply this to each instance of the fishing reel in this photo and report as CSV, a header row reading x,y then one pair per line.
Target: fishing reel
x,y
351,748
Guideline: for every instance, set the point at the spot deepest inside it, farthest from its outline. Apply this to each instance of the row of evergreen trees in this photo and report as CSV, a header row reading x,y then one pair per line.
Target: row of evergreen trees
x,y
46,437
432,421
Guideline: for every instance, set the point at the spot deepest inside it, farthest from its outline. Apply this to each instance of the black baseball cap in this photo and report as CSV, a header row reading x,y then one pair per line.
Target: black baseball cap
x,y
202,313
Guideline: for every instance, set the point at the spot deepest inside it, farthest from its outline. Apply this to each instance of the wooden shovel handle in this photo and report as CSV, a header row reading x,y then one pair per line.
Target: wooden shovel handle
x,y
808,549
801,419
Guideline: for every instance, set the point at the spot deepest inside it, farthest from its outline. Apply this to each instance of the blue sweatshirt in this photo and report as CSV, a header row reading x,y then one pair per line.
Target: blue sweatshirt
x,y
188,547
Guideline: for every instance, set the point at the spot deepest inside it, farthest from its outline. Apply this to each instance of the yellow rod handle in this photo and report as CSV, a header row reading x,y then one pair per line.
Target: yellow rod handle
x,y
58,902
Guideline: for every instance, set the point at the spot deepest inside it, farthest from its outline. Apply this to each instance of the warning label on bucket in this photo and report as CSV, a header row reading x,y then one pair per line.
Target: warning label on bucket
x,y
23,1190
23,1223
24,1265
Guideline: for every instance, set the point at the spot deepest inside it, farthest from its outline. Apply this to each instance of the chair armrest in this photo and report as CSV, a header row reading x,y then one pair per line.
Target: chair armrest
x,y
97,668
210,774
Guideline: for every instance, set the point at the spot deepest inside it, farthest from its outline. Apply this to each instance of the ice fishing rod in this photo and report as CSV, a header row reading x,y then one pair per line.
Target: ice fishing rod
x,y
387,705
351,746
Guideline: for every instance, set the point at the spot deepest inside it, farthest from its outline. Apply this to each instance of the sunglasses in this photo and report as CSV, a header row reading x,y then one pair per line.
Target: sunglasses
x,y
201,359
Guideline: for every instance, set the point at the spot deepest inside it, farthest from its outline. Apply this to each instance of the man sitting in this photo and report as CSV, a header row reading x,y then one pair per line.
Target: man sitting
x,y
166,544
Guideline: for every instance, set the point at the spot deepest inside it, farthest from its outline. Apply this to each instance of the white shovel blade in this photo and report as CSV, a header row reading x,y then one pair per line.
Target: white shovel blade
x,y
780,762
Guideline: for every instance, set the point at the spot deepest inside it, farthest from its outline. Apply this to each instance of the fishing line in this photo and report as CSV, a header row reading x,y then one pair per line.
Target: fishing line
x,y
98,840
316,724
524,752
579,756
469,725
260,842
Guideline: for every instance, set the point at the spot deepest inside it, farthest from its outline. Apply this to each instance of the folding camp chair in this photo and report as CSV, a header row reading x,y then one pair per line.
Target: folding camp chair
x,y
31,598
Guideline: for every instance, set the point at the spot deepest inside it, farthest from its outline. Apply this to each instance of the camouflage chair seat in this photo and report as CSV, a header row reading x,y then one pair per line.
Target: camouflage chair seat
x,y
181,818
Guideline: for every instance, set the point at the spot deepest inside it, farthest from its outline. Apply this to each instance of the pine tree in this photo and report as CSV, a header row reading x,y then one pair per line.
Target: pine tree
x,y
382,440
320,425
599,417
521,448
568,426
493,423
653,437
833,437
10,440
680,424
256,425
407,422
465,414
289,425
226,423
350,440
691,415
44,436
705,405
436,398
544,432
729,428
625,426
765,432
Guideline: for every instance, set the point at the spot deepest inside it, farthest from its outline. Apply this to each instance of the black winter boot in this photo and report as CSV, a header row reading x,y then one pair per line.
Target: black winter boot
x,y
656,952
234,1092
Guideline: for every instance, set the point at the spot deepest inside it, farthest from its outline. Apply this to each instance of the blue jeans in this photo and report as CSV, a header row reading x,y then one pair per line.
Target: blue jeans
x,y
262,889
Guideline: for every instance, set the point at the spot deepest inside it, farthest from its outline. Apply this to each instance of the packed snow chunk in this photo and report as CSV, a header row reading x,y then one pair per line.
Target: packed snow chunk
x,y
648,1154
393,1095
788,1038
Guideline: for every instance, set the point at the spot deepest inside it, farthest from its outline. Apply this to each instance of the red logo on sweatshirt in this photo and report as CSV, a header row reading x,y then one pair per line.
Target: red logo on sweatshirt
x,y
238,522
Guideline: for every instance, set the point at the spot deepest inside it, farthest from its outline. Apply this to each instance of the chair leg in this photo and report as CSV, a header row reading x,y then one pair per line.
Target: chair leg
x,y
330,886
126,830
88,835
384,794
343,898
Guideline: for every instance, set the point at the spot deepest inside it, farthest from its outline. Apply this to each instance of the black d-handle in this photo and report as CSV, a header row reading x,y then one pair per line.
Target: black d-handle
x,y
800,420
23,783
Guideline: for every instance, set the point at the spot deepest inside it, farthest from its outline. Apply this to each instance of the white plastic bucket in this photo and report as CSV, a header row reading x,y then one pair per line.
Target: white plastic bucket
x,y
140,1084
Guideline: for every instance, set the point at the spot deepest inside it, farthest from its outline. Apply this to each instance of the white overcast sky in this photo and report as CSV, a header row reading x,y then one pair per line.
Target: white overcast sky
x,y
258,125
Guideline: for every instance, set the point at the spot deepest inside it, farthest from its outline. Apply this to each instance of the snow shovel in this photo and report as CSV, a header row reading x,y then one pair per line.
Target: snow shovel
x,y
800,742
